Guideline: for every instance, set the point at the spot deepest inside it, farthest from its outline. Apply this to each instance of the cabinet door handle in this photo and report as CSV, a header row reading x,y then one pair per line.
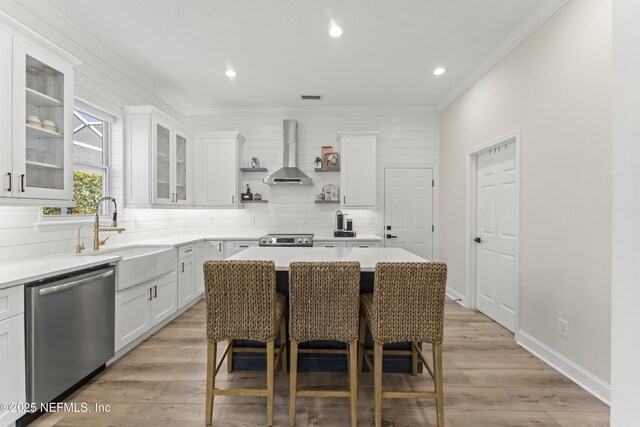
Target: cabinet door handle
x,y
219,246
9,186
233,200
150,294
22,177
344,199
155,291
183,267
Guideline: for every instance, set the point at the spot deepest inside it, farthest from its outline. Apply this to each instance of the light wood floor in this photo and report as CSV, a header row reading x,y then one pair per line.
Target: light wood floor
x,y
489,381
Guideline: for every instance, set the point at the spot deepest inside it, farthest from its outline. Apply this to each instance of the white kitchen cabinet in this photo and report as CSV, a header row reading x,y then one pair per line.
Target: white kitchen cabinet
x,y
206,251
164,302
186,275
140,308
12,351
36,162
364,244
218,169
358,169
232,247
133,314
158,165
329,244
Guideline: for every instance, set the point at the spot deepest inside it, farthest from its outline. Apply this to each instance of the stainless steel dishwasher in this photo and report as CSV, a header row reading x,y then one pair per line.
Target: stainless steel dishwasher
x,y
70,330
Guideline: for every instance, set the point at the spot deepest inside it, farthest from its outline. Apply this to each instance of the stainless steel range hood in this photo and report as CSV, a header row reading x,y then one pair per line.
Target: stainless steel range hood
x,y
289,174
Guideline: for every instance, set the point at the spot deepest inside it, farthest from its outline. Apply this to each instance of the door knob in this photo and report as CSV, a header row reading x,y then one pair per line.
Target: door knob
x,y
477,240
389,236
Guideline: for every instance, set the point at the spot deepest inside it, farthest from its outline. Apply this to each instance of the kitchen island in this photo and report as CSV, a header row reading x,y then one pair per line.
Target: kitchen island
x,y
367,257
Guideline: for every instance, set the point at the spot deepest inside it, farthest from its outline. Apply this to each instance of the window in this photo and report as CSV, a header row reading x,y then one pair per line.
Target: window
x,y
90,166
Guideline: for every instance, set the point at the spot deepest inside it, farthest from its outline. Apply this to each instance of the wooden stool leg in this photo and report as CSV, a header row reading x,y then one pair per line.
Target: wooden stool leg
x,y
353,383
377,380
293,377
437,370
211,380
363,330
230,357
283,343
414,359
271,348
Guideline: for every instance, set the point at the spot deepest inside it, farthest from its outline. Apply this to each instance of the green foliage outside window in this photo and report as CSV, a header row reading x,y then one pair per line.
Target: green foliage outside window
x,y
87,190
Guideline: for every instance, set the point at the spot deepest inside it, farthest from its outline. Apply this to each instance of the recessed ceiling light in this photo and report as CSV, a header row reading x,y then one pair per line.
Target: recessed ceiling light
x,y
335,30
439,71
230,73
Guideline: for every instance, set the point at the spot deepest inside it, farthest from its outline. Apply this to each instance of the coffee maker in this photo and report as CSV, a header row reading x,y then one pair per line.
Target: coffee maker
x,y
343,226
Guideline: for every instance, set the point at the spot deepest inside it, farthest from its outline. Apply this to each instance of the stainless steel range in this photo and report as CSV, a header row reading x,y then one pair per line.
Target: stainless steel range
x,y
297,240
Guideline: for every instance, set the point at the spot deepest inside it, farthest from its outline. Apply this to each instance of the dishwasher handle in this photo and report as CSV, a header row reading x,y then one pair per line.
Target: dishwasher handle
x,y
60,288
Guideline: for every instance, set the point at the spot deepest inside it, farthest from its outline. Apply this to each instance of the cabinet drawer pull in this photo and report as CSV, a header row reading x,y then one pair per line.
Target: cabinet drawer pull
x,y
243,246
22,177
9,186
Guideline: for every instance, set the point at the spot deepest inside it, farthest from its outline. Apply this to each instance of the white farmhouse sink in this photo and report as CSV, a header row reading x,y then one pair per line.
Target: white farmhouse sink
x,y
140,264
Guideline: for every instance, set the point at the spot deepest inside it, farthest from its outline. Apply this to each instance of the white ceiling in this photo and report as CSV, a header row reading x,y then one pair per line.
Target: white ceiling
x,y
281,48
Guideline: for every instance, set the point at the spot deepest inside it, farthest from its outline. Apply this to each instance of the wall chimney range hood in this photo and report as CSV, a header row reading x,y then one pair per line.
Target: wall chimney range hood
x,y
289,174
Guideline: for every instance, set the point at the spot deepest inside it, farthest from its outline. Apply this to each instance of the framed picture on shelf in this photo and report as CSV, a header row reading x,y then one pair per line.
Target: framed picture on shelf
x,y
331,161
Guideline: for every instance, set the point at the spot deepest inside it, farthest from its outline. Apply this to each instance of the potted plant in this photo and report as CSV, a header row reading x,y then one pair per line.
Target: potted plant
x,y
318,162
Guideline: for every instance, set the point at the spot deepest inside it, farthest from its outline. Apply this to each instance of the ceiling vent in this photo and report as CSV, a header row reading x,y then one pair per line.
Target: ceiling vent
x,y
311,97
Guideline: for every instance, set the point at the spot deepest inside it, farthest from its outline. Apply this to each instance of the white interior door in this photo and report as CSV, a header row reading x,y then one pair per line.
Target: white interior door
x,y
408,210
496,235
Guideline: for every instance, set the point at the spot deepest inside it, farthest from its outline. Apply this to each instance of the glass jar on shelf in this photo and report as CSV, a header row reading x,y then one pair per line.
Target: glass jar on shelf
x,y
51,83
34,81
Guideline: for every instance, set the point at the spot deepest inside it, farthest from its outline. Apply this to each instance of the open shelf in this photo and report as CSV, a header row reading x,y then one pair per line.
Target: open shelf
x,y
254,169
41,100
37,132
42,165
327,201
254,201
327,170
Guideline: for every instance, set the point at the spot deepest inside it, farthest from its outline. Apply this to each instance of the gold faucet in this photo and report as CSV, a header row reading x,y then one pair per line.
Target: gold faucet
x,y
96,224
79,246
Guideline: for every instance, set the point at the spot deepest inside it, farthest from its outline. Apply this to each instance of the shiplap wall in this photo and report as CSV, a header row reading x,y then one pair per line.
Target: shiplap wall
x,y
408,138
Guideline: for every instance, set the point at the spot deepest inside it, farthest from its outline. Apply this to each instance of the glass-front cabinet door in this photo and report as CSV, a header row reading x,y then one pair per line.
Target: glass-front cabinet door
x,y
42,125
163,171
6,106
182,169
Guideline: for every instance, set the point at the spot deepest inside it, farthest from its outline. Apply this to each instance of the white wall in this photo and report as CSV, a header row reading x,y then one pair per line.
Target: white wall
x,y
409,137
625,370
556,88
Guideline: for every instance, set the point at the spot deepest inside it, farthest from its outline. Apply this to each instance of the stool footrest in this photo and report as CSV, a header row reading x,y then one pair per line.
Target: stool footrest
x,y
252,392
323,393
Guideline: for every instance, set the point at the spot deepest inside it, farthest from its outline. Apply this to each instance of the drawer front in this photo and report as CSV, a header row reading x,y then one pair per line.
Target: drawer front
x,y
186,251
364,244
330,244
232,247
11,301
239,246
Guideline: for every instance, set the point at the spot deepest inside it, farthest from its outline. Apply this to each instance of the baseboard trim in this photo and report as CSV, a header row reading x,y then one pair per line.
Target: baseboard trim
x,y
456,296
568,368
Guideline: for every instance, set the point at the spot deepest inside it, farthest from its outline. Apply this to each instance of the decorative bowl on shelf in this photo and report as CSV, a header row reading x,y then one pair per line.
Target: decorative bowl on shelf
x,y
34,121
49,125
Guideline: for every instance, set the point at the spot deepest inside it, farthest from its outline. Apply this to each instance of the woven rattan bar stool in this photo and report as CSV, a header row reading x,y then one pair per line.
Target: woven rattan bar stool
x,y
323,305
407,305
242,303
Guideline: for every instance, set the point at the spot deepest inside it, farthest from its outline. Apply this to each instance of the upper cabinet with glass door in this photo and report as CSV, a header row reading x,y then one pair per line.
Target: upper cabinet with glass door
x,y
38,161
165,180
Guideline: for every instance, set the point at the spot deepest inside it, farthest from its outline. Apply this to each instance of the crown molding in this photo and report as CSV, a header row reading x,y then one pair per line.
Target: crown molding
x,y
203,111
537,18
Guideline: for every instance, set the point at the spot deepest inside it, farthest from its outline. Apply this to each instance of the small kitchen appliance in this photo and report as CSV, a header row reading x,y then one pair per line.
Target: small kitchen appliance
x,y
341,230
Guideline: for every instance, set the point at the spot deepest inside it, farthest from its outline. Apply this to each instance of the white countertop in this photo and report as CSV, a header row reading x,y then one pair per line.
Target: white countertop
x,y
32,269
368,257
358,238
29,270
